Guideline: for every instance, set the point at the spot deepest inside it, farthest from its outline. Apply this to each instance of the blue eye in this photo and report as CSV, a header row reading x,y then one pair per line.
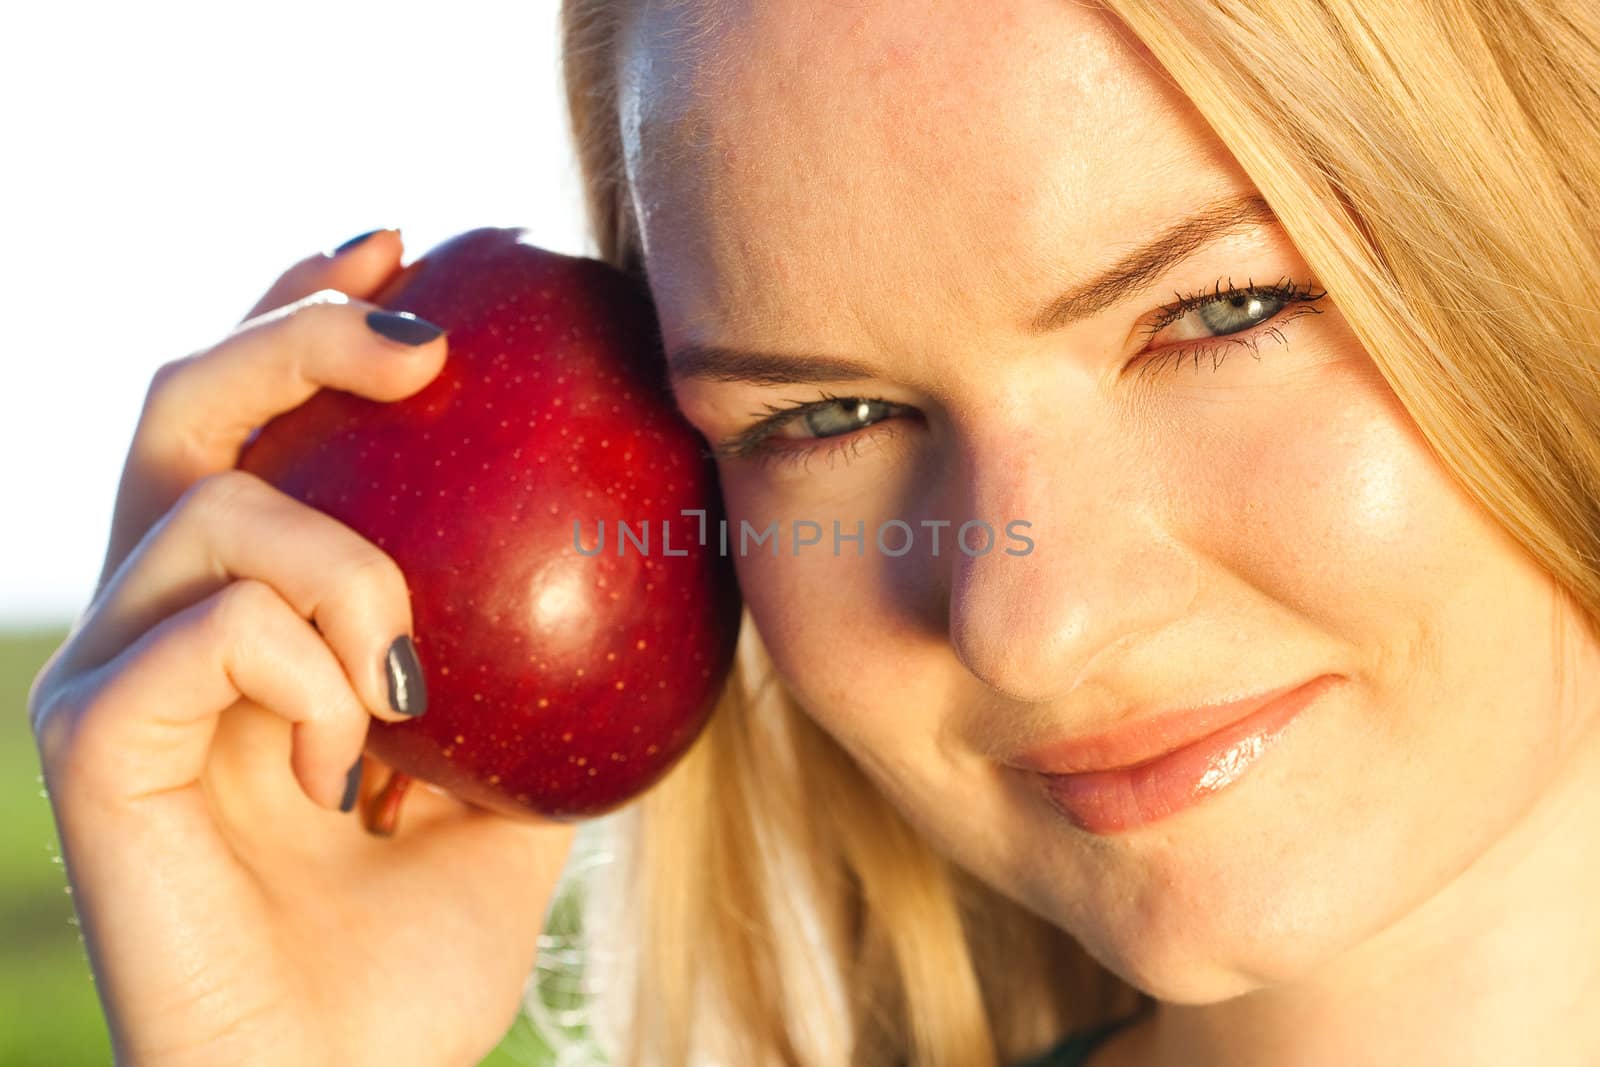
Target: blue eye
x,y
1206,324
1219,315
784,430
1238,312
830,418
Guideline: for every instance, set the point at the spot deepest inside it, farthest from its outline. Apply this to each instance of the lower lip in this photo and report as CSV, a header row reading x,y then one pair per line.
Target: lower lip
x,y
1108,802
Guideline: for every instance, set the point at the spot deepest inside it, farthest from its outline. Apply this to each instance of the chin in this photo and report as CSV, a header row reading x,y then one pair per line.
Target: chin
x,y
1201,941
1204,965
1210,908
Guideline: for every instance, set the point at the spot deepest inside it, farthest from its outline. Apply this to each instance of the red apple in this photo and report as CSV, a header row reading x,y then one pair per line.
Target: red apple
x,y
560,683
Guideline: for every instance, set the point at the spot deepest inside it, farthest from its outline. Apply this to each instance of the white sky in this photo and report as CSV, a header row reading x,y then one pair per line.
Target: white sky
x,y
163,161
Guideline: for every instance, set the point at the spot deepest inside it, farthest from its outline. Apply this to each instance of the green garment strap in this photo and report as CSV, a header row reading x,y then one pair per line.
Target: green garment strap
x,y
1075,1048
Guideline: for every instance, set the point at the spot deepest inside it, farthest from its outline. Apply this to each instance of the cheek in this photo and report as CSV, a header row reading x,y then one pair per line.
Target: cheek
x,y
841,629
1325,498
1316,498
1328,502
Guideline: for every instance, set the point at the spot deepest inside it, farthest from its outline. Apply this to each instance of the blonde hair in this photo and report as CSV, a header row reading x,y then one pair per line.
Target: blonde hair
x,y
1438,165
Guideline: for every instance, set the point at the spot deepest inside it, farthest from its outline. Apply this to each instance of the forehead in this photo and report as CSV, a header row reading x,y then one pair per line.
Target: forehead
x,y
834,166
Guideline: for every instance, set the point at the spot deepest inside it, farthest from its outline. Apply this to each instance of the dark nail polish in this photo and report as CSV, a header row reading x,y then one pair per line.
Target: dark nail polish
x,y
408,694
403,326
357,239
352,786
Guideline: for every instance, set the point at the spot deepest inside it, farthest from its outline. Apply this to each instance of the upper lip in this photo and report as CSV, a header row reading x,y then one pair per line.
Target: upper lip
x,y
1145,736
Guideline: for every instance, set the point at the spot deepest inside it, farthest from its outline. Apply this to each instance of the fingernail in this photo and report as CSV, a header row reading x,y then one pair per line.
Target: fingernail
x,y
357,239
352,786
403,326
408,694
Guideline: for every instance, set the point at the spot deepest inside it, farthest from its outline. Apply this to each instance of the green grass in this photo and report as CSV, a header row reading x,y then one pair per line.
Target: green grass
x,y
49,1013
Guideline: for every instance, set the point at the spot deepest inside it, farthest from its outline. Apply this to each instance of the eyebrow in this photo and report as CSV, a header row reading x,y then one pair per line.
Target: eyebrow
x,y
1126,277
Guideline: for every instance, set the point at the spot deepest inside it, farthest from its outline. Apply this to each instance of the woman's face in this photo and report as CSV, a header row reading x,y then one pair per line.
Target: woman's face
x,y
1220,500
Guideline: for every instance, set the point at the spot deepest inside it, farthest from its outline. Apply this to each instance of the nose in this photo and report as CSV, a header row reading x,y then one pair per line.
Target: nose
x,y
1102,567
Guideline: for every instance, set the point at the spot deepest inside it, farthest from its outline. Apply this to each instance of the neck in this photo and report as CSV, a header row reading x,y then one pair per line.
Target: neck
x,y
1500,966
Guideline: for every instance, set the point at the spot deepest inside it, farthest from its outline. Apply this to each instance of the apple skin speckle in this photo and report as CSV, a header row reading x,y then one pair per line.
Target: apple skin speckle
x,y
527,714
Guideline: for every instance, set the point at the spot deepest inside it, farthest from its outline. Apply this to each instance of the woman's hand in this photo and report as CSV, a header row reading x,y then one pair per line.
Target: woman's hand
x,y
198,727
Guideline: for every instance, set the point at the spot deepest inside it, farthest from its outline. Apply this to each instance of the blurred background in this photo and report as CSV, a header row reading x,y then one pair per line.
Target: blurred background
x,y
167,161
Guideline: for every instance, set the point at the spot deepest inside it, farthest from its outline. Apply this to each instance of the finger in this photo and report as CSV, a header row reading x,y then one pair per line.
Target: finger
x,y
234,526
200,410
142,725
360,270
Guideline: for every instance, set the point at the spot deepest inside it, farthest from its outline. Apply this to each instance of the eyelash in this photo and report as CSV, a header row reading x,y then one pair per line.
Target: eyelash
x,y
753,442
1284,290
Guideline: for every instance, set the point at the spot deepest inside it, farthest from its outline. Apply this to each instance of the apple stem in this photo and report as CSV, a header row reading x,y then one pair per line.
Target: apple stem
x,y
382,812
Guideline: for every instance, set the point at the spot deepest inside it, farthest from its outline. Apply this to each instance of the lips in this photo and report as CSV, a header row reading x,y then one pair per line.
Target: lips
x,y
1198,752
